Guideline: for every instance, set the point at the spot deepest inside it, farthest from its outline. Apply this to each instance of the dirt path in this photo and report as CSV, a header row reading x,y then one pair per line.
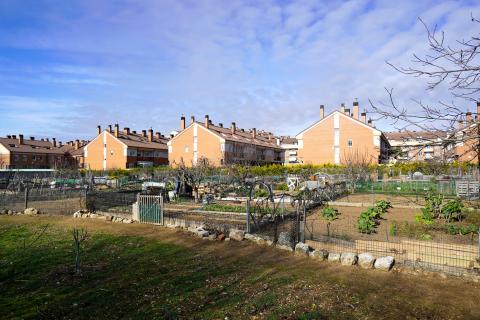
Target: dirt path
x,y
318,290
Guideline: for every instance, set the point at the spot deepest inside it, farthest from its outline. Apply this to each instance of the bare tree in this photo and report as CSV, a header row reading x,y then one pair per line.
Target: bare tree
x,y
357,166
79,236
195,175
454,65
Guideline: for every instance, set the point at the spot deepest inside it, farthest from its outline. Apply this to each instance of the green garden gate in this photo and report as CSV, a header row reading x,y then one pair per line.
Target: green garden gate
x,y
150,209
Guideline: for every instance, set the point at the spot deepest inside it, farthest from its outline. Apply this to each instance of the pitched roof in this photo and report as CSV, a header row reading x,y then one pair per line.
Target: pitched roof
x,y
418,135
30,146
262,138
137,140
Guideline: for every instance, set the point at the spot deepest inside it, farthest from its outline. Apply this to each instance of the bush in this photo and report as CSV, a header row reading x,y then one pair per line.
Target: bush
x,y
365,223
261,193
463,230
452,210
281,187
330,214
393,229
382,206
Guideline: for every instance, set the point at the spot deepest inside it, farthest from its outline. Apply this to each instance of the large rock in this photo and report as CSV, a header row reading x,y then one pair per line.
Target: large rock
x,y
31,211
236,234
284,239
348,259
202,233
384,263
334,257
3,211
302,249
77,214
366,260
319,254
126,220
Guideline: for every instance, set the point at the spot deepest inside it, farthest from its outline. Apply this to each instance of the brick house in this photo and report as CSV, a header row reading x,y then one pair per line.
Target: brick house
x,y
75,152
342,137
115,149
19,153
222,145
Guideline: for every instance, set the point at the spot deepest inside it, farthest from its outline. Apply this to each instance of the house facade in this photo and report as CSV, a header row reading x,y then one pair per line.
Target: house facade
x,y
222,146
342,137
416,145
16,152
115,149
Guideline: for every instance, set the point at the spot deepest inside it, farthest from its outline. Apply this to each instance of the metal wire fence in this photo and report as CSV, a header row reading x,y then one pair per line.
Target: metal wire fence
x,y
410,244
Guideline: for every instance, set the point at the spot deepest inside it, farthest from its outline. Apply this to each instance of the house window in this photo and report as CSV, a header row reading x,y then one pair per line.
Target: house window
x,y
186,148
349,143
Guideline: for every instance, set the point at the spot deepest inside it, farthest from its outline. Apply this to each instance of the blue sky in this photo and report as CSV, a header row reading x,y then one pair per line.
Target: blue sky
x,y
66,66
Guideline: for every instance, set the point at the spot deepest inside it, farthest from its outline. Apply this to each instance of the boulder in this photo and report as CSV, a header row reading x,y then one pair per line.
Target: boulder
x,y
366,260
348,259
9,212
108,218
77,214
221,237
334,257
213,236
127,221
93,215
236,234
250,236
227,239
302,249
201,232
31,211
384,263
3,211
319,254
284,239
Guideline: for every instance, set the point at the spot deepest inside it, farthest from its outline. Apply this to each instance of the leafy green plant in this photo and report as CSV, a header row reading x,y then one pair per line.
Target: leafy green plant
x,y
433,203
425,218
382,206
393,231
365,222
281,187
452,210
260,193
330,214
463,230
425,237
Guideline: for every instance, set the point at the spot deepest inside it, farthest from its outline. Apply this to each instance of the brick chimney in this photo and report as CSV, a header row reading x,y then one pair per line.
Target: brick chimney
x,y
20,139
99,130
220,125
192,119
364,117
182,123
370,122
355,110
342,108
207,121
110,128
468,117
77,144
347,112
254,133
116,130
233,128
60,143
158,135
126,131
150,135
32,138
144,133
54,142
322,112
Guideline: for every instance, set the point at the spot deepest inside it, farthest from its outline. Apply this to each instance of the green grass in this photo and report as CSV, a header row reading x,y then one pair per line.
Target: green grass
x,y
224,208
150,275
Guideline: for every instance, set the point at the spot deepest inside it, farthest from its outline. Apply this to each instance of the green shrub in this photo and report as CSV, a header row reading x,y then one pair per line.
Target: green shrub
x,y
365,222
393,229
463,230
281,187
382,206
330,214
261,193
452,210
425,237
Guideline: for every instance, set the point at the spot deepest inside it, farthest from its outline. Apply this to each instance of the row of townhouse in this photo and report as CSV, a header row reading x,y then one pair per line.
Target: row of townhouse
x,y
20,153
343,136
455,144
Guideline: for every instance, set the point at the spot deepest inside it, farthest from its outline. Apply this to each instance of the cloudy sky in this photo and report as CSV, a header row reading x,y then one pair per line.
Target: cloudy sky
x,y
66,66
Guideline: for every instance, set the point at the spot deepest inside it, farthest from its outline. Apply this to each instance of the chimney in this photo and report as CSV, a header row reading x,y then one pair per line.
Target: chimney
x,y
192,118
468,116
150,135
9,136
60,143
134,131
54,142
347,112
460,124
364,117
20,139
99,130
77,144
207,121
342,108
254,133
182,123
370,122
322,112
110,128
116,129
144,133
126,131
355,110
48,139
158,135
32,138
172,135
220,125
233,128
478,111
